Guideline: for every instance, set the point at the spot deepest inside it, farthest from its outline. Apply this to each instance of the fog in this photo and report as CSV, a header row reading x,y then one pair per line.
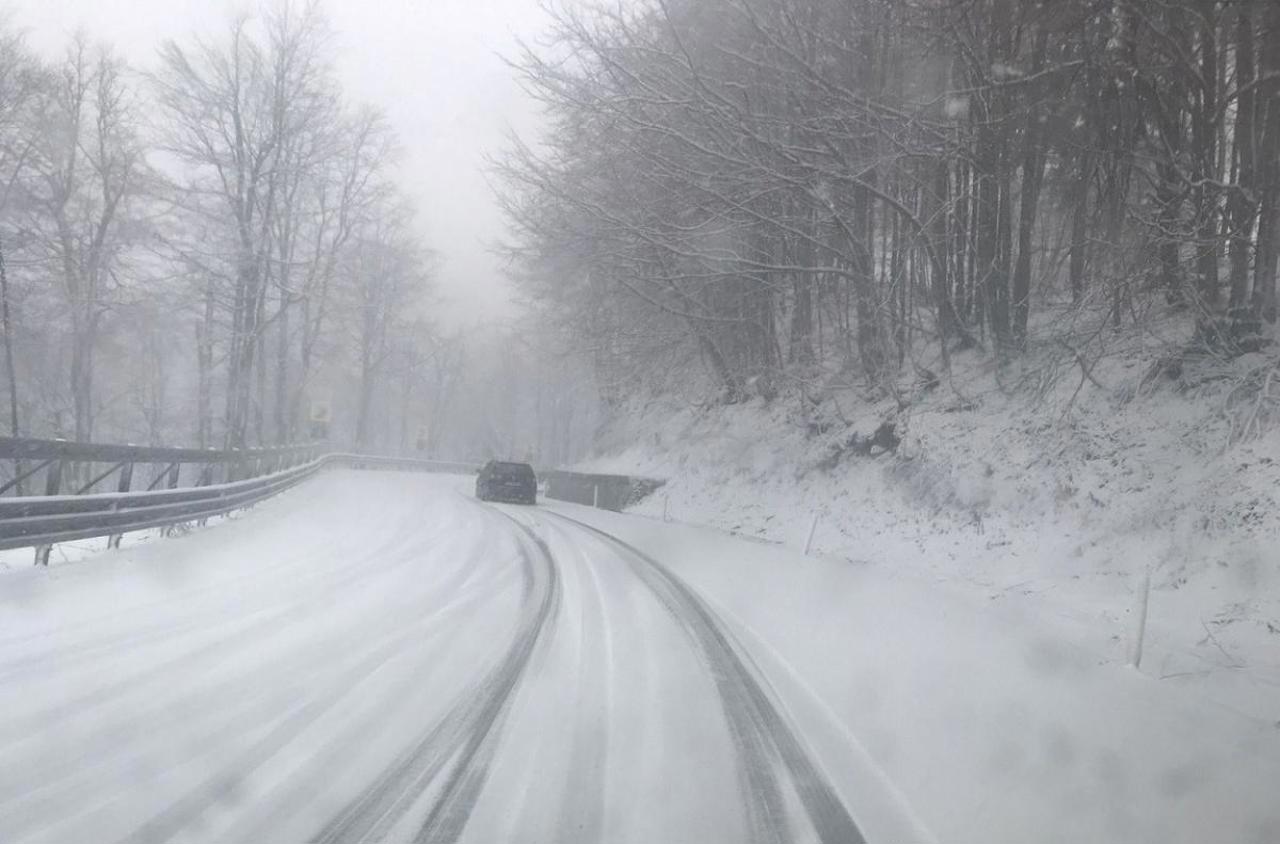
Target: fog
x,y
406,104
436,68
770,421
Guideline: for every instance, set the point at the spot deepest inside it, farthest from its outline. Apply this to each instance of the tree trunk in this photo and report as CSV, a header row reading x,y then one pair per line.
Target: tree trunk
x,y
82,343
259,407
282,406
238,354
1240,205
991,161
1268,108
1204,136
870,341
6,323
1078,261
962,245
365,400
800,340
1033,159
204,369
936,202
245,338
991,276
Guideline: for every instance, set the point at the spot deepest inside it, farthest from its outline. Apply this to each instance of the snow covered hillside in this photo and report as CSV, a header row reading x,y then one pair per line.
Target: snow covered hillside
x,y
1049,490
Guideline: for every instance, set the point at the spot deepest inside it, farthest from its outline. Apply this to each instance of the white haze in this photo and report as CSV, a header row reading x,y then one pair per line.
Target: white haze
x,y
435,68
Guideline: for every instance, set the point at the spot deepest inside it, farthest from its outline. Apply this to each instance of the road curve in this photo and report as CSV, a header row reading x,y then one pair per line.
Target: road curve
x,y
381,658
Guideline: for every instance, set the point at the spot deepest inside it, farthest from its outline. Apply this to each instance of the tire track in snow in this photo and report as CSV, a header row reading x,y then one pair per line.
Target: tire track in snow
x,y
273,619
463,741
58,656
583,807
297,794
764,738
457,797
168,823
220,712
132,682
230,710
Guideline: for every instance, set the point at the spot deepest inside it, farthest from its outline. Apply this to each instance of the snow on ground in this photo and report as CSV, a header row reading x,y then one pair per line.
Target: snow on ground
x,y
323,668
357,660
240,682
84,549
988,723
1053,507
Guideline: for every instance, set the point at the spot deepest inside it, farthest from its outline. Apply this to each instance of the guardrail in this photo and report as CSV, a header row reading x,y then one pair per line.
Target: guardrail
x,y
88,490
77,468
43,520
607,492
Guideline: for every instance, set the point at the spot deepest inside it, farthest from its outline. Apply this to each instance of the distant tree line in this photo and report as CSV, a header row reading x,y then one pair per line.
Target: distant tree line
x,y
772,186
197,252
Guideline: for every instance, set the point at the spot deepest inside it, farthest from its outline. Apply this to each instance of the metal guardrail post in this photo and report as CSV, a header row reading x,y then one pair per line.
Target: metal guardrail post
x,y
53,479
52,485
126,481
205,479
174,473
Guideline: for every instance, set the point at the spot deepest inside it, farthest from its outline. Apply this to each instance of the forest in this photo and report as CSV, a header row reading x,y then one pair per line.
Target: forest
x,y
194,230
731,199
771,194
211,250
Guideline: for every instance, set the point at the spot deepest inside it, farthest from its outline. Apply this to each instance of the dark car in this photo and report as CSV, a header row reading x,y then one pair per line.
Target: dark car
x,y
511,482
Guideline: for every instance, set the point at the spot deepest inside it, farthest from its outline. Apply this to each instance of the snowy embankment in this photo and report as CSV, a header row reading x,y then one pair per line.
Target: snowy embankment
x,y
992,726
1052,506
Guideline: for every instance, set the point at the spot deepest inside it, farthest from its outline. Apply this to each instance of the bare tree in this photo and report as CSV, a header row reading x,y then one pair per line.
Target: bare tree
x,y
234,112
859,176
389,280
21,82
90,167
344,192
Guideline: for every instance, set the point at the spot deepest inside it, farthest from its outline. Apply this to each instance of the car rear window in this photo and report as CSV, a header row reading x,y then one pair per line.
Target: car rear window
x,y
513,468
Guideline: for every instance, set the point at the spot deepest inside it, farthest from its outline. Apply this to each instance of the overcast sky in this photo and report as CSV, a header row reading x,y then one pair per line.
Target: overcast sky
x,y
432,65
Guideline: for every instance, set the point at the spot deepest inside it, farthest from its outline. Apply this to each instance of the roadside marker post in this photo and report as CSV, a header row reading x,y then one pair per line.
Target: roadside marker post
x,y
1140,638
813,528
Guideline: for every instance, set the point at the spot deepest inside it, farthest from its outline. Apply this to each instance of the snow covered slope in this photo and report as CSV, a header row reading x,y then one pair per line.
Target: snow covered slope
x,y
990,724
1055,503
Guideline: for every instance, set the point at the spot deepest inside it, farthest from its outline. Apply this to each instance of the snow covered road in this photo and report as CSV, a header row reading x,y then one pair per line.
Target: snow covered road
x,y
378,657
